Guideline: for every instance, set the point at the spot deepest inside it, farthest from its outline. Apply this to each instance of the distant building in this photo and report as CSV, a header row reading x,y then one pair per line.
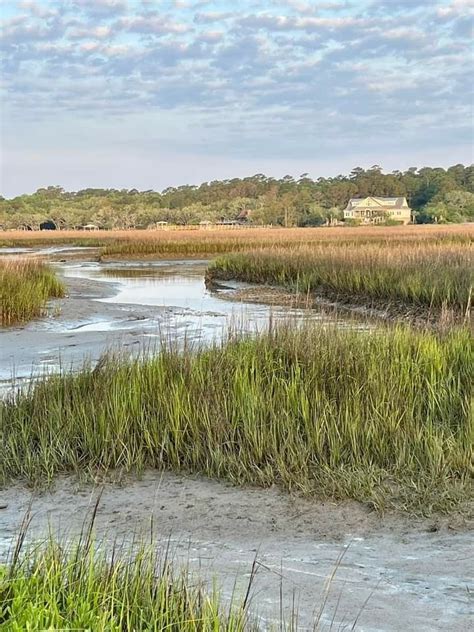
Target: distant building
x,y
48,225
375,210
161,225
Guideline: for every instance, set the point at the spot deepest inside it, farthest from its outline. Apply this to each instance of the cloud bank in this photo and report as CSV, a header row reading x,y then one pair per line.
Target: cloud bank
x,y
286,83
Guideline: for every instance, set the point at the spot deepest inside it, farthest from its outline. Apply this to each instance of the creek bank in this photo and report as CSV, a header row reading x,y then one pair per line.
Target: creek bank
x,y
400,573
332,302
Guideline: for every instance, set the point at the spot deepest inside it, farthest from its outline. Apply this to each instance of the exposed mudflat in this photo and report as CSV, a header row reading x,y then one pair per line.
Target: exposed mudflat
x,y
278,296
343,306
106,310
396,573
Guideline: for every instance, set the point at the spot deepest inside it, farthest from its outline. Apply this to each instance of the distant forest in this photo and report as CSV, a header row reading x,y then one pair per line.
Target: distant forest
x,y
435,194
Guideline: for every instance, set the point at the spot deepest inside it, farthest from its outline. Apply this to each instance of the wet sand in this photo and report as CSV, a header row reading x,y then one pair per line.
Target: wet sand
x,y
69,335
396,573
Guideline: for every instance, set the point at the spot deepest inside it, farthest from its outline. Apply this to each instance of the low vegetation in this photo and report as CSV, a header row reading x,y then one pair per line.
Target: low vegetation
x,y
212,243
383,417
433,275
25,287
189,242
49,587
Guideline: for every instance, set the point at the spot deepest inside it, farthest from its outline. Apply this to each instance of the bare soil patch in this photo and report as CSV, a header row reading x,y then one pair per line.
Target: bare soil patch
x,y
415,573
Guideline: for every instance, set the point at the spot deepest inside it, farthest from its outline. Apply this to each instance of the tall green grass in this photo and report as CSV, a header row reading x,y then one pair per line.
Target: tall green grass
x,y
383,417
53,587
427,275
25,287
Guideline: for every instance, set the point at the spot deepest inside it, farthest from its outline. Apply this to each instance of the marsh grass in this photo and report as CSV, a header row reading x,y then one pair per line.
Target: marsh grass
x,y
83,586
25,287
431,275
383,417
188,240
212,243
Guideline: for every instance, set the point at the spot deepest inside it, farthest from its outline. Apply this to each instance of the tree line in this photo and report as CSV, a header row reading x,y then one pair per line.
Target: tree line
x,y
435,195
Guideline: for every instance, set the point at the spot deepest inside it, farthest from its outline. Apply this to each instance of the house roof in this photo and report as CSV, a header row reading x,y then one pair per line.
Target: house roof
x,y
391,202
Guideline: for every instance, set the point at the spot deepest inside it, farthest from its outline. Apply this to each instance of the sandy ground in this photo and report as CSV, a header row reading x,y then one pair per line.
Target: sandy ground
x,y
396,573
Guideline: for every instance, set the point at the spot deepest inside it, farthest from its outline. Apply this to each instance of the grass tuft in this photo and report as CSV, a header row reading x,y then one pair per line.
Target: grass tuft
x,y
78,587
384,417
25,287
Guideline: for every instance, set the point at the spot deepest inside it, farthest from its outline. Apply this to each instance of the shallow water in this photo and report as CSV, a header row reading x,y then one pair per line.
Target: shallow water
x,y
181,304
15,250
130,307
162,284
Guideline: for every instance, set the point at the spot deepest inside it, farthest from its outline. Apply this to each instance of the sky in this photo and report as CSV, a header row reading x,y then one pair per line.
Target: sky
x,y
148,94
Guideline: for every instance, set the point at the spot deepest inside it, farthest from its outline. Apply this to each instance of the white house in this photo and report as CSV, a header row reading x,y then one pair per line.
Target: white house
x,y
375,210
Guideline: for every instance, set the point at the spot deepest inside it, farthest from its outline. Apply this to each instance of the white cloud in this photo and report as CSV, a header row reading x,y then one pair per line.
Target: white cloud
x,y
104,7
286,79
89,47
98,32
159,25
457,7
37,9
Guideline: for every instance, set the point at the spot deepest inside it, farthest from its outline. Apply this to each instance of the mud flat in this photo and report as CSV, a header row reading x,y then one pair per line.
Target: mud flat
x,y
391,573
334,304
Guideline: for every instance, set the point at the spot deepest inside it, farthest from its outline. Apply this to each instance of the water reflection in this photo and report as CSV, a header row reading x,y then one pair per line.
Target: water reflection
x,y
131,307
179,292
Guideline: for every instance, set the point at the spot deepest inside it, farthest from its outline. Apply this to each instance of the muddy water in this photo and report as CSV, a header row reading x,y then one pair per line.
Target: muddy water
x,y
128,307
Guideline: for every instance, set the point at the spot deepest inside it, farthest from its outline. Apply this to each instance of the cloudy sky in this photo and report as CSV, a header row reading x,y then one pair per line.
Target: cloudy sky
x,y
150,93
